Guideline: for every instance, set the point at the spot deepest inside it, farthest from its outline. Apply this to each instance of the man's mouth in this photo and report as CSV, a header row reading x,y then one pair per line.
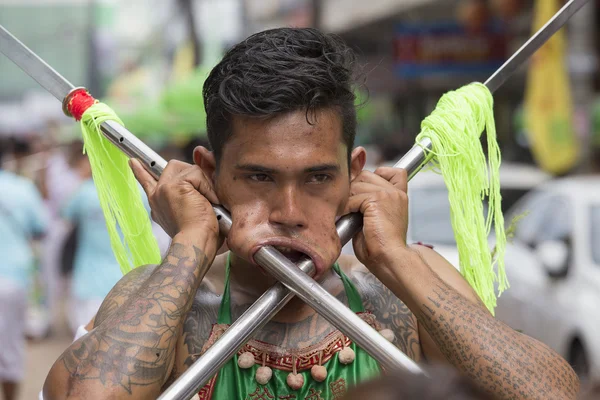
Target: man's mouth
x,y
291,254
294,251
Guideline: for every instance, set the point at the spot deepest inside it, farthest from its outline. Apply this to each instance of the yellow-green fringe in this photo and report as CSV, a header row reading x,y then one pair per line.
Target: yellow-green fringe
x,y
119,194
454,128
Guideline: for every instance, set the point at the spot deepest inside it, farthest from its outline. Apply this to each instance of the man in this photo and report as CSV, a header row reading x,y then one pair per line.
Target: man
x,y
281,123
22,219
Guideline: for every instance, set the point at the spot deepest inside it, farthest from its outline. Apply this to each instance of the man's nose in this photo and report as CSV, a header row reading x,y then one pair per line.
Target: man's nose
x,y
287,210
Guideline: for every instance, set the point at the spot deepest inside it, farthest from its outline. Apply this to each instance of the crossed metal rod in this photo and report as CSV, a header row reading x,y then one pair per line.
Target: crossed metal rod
x,y
293,279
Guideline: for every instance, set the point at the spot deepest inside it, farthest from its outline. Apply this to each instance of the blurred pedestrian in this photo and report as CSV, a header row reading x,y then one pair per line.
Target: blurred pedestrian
x,y
95,268
60,180
22,220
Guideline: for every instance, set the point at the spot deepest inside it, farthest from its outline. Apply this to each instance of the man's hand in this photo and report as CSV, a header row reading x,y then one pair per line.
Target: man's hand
x,y
181,199
381,198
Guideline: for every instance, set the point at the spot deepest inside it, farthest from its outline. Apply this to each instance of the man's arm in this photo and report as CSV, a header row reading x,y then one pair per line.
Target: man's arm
x,y
130,351
456,327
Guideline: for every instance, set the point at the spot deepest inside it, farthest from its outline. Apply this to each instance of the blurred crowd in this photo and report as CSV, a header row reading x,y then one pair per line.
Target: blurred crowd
x,y
54,214
53,239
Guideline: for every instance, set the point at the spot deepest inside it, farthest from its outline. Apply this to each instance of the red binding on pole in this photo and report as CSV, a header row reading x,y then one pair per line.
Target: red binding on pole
x,y
78,102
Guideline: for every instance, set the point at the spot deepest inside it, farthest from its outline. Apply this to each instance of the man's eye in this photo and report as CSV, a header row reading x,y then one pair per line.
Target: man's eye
x,y
260,177
319,178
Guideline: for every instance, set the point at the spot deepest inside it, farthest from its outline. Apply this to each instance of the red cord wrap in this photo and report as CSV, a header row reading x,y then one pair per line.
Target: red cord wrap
x,y
79,102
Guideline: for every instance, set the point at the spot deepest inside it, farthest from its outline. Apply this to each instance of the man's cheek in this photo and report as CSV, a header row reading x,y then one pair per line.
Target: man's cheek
x,y
240,238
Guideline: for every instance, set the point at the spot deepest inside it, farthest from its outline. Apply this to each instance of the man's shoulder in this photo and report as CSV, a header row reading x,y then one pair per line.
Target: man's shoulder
x,y
389,310
350,265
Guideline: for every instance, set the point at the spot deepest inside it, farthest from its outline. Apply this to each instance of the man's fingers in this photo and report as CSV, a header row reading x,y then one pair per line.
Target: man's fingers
x,y
143,177
174,168
396,176
366,187
356,202
196,177
370,177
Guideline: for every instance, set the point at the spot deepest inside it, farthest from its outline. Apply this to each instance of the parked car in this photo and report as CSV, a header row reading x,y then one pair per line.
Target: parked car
x,y
553,265
429,219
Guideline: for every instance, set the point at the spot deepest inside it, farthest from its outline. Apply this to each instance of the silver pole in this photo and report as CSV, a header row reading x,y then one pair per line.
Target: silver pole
x,y
534,43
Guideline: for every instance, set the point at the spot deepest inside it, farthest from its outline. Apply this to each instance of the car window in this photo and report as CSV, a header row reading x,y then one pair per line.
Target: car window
x,y
510,196
556,225
595,233
547,218
429,220
534,207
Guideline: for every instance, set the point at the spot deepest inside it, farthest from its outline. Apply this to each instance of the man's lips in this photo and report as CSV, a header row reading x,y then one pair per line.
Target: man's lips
x,y
292,250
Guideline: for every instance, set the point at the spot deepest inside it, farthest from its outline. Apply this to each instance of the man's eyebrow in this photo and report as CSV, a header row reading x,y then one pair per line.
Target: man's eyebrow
x,y
323,168
267,170
255,168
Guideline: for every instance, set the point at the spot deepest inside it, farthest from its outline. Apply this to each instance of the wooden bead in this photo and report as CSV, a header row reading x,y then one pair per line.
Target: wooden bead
x,y
319,373
263,375
388,334
246,360
295,381
346,355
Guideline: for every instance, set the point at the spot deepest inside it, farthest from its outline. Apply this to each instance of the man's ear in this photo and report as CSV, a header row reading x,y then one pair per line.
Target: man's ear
x,y
358,158
205,159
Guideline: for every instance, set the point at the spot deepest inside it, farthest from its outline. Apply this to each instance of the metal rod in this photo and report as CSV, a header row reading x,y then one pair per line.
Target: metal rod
x,y
33,65
533,44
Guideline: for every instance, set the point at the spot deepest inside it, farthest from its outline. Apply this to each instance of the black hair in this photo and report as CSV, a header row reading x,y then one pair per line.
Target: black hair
x,y
277,71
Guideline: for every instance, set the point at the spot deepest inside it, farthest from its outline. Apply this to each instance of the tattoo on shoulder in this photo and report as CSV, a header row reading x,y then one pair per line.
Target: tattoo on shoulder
x,y
134,341
198,323
119,294
390,311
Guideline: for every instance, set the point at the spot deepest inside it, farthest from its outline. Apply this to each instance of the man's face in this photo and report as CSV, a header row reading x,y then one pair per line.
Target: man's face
x,y
285,181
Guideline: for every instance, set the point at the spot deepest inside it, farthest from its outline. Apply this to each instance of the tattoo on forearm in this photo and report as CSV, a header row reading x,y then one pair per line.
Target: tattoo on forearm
x,y
501,360
133,344
391,313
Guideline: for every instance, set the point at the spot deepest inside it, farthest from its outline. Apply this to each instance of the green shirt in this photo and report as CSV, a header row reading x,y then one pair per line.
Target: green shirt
x,y
233,382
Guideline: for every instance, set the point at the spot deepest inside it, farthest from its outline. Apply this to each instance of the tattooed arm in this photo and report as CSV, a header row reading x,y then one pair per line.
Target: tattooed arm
x,y
130,352
453,324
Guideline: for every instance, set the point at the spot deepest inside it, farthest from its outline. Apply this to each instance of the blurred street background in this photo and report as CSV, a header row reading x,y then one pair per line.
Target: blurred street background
x,y
148,60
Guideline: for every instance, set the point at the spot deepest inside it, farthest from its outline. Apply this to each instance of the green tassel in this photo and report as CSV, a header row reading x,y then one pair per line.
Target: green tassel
x,y
454,128
119,194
